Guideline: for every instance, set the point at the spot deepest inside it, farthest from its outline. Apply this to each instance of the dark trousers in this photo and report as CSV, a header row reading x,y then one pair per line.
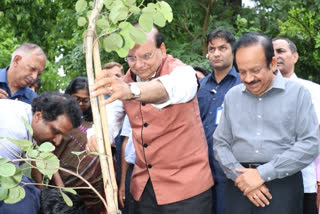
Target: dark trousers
x,y
309,203
287,197
199,204
218,197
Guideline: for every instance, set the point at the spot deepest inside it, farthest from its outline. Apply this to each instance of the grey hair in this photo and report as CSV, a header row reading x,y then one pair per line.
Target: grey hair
x,y
27,48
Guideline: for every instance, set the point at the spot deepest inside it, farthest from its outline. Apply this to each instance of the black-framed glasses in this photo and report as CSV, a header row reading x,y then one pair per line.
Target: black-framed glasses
x,y
82,100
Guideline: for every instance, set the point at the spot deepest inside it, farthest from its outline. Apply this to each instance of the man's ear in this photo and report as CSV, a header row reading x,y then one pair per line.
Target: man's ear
x,y
163,49
273,64
37,116
16,59
295,57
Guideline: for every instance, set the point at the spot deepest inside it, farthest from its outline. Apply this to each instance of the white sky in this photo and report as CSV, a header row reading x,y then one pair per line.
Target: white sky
x,y
248,3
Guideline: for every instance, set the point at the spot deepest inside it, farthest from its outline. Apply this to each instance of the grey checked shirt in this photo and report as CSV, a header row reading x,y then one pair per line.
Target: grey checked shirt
x,y
278,128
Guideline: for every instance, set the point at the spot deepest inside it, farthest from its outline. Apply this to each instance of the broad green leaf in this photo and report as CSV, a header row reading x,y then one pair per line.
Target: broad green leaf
x,y
134,9
13,181
1,13
4,160
108,3
66,199
103,23
118,14
125,26
82,21
166,10
23,144
48,164
128,42
138,36
89,13
81,5
78,153
3,193
149,10
113,42
15,195
46,147
159,19
7,169
122,52
32,153
129,2
28,126
70,190
146,22
91,4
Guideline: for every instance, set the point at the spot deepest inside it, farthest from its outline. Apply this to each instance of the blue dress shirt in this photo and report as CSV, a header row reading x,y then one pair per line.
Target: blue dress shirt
x,y
23,94
210,96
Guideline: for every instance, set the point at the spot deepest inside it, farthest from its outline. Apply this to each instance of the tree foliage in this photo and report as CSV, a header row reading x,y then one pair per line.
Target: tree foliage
x,y
54,26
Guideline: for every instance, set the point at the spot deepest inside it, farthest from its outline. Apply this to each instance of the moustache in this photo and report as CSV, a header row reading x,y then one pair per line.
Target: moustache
x,y
252,82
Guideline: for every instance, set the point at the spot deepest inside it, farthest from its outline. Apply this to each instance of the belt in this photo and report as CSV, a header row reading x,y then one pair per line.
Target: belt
x,y
251,165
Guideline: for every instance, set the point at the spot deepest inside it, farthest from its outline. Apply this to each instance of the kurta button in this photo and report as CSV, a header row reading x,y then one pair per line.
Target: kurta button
x,y
145,124
149,166
145,145
143,104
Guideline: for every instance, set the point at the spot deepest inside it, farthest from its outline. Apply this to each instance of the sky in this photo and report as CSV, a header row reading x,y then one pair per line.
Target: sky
x,y
248,3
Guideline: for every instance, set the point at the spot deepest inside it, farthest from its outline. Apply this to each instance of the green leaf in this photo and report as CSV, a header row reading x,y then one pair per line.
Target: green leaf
x,y
32,153
15,195
3,193
149,10
4,160
48,164
166,10
118,14
1,14
159,19
108,3
112,42
138,36
46,147
122,52
70,190
134,9
23,144
82,21
81,5
13,181
146,22
103,23
125,26
7,169
129,2
66,199
26,123
78,153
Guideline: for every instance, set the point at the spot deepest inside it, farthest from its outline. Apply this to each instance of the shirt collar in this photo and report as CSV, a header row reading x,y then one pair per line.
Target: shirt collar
x,y
232,73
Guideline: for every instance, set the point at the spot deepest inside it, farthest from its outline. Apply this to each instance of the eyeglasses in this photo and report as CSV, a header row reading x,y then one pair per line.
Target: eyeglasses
x,y
144,57
82,100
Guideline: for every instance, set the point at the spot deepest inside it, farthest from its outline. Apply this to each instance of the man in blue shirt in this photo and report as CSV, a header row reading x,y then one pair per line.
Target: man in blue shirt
x,y
27,63
211,95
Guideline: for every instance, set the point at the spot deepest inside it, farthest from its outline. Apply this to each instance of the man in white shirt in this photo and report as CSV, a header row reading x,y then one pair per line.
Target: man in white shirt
x,y
287,56
51,116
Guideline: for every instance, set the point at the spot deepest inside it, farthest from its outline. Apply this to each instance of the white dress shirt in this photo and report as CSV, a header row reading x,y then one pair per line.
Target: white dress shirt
x,y
309,173
12,126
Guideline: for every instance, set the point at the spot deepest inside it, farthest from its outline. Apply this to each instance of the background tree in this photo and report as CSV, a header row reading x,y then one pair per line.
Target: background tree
x,y
53,25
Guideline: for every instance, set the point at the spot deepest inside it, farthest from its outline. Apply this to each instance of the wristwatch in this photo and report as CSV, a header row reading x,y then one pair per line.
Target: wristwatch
x,y
135,90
